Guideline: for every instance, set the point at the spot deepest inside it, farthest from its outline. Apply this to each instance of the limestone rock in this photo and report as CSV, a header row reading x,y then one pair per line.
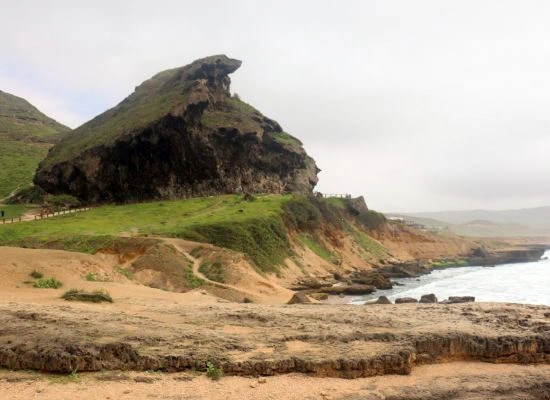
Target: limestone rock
x,y
383,300
402,300
460,299
348,289
299,298
180,134
428,298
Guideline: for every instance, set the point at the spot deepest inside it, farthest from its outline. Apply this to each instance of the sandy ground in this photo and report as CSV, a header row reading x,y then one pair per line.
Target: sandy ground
x,y
148,329
460,380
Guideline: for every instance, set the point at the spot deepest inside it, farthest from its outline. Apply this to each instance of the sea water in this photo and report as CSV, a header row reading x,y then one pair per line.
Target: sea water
x,y
527,283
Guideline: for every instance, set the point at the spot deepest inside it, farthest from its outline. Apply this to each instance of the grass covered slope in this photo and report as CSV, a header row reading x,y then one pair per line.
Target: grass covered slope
x,y
165,93
18,161
260,228
25,136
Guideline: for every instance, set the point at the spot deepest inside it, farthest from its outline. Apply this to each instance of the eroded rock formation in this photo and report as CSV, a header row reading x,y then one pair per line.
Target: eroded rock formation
x,y
180,134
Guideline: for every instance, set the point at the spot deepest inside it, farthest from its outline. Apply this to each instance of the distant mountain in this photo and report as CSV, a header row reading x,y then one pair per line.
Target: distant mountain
x,y
515,222
26,134
180,134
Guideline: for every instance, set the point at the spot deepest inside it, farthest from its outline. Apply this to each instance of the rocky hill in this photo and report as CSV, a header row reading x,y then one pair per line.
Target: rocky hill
x,y
25,136
180,134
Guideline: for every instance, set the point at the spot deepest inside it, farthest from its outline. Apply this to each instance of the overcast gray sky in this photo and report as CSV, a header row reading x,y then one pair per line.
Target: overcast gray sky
x,y
417,105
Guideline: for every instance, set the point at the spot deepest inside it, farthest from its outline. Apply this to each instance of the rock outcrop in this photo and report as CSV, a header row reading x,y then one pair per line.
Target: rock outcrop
x,y
180,134
403,300
428,298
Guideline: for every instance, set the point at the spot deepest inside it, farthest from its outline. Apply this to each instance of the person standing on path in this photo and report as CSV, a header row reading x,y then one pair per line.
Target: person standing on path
x,y
2,213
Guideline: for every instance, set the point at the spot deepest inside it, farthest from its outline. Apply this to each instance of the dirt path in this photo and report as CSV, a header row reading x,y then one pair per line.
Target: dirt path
x,y
33,216
196,268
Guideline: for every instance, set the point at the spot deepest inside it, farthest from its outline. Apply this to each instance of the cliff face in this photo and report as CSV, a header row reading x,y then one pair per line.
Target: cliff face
x,y
179,134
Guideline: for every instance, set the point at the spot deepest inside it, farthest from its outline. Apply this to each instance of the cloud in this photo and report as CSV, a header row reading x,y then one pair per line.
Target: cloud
x,y
419,105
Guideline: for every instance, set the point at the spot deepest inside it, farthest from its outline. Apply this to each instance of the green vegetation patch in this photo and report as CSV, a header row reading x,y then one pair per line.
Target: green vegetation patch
x,y
18,162
212,270
97,296
317,247
50,283
286,139
14,210
36,274
213,372
191,279
368,244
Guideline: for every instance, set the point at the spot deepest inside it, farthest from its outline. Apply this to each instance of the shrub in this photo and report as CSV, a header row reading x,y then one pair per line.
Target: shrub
x,y
36,274
213,372
91,277
213,271
372,219
301,214
191,279
96,296
50,283
61,200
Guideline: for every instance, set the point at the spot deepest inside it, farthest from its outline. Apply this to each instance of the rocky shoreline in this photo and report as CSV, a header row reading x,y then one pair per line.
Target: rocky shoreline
x,y
381,277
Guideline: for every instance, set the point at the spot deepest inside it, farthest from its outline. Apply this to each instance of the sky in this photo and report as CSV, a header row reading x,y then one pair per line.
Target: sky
x,y
418,105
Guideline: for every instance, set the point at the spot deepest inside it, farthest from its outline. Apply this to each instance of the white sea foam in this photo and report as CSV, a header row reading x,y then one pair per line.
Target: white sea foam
x,y
527,283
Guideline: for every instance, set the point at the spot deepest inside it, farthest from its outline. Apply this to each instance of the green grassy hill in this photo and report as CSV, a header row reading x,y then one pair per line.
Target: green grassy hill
x,y
259,228
25,137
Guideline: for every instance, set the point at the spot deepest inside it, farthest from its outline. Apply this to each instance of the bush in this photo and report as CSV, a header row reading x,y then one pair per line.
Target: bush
x,y
213,372
91,277
96,296
50,283
301,214
264,240
36,274
61,200
28,195
372,219
213,271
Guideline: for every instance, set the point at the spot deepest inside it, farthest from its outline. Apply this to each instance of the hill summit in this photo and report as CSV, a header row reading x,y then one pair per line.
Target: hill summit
x,y
180,134
21,121
25,136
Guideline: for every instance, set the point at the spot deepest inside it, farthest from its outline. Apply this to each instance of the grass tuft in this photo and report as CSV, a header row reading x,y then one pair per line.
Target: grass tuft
x,y
36,274
213,372
97,296
50,283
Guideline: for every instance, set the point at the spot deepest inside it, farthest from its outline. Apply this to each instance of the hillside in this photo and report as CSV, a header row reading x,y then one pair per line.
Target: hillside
x,y
26,134
180,134
503,223
293,240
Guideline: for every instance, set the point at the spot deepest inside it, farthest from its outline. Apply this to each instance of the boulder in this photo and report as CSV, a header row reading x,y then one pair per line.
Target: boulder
x,y
402,300
357,205
349,289
460,299
383,300
428,298
319,296
373,278
299,298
